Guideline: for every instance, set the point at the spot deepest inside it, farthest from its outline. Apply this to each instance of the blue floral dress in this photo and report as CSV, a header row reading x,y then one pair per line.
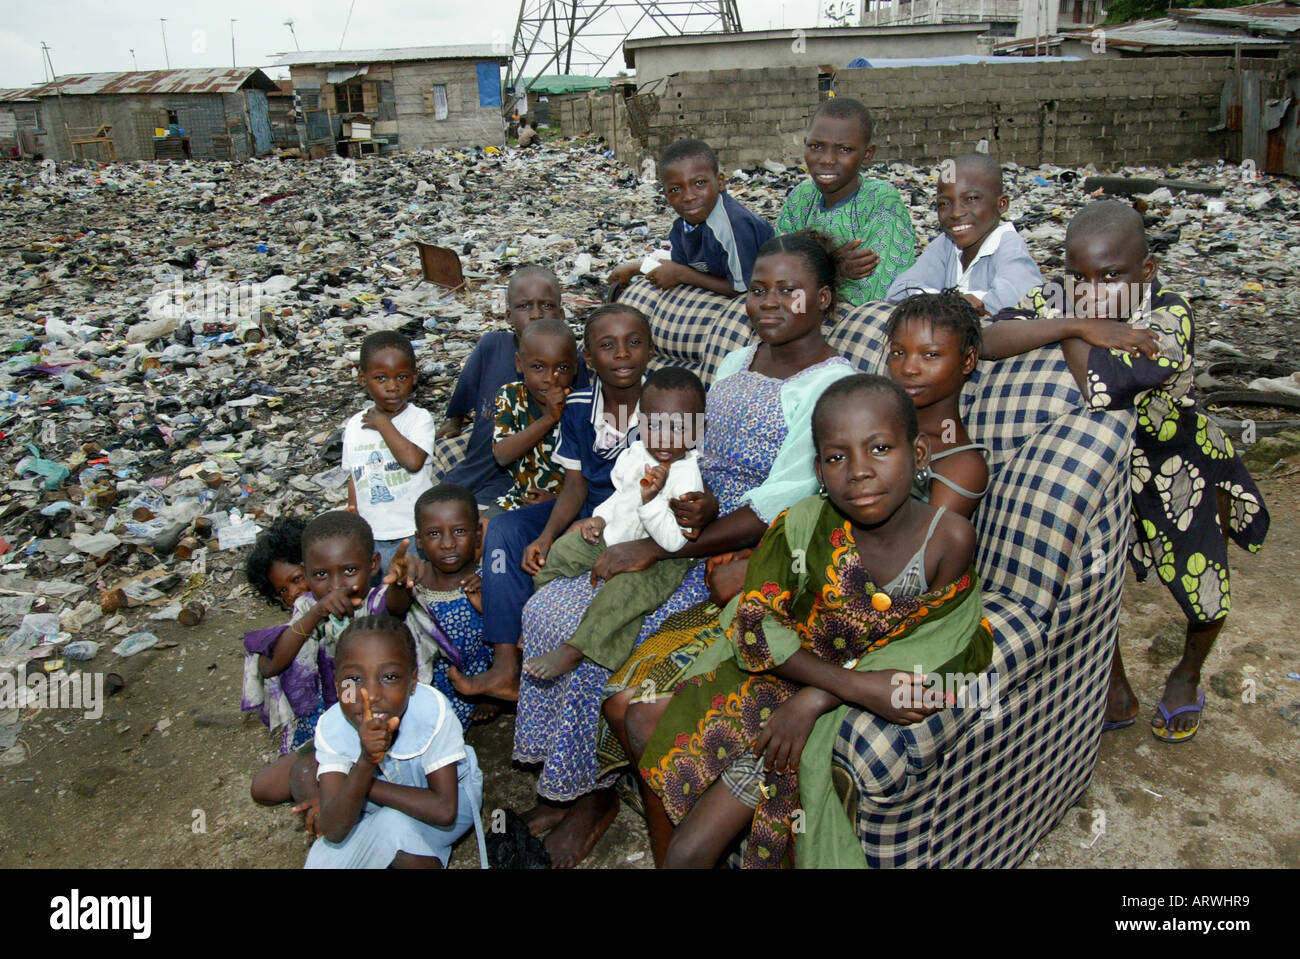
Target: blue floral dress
x,y
462,628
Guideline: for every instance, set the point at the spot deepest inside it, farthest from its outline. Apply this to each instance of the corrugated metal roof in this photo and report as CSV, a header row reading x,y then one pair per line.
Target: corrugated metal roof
x,y
17,93
1265,17
1165,33
149,82
321,58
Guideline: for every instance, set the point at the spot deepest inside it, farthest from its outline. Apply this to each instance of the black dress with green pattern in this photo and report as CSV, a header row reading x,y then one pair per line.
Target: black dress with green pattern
x,y
1181,460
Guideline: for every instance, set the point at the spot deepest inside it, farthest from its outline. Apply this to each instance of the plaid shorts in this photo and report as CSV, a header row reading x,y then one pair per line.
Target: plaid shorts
x,y
744,778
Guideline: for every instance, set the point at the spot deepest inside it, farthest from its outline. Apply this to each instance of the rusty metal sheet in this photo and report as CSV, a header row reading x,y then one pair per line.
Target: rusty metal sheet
x,y
153,82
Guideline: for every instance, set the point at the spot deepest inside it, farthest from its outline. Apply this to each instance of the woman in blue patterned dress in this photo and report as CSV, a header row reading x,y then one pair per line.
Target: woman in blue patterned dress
x,y
756,458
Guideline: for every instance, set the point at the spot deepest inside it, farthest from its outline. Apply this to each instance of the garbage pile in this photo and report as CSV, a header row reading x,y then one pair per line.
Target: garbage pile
x,y
180,336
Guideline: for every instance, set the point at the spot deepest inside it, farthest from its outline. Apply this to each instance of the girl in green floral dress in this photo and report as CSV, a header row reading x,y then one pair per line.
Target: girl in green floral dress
x,y
846,595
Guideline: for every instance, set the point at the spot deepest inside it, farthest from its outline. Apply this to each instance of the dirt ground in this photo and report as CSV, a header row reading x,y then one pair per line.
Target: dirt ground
x,y
120,792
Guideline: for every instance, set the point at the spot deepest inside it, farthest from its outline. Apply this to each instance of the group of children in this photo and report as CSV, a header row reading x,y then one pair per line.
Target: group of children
x,y
399,641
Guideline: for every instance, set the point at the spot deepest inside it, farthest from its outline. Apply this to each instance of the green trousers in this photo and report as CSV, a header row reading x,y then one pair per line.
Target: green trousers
x,y
608,631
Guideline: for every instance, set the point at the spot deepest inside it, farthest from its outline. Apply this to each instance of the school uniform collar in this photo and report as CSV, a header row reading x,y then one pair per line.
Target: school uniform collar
x,y
613,439
717,205
987,248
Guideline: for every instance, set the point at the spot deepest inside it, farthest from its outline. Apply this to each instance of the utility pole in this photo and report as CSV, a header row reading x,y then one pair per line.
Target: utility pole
x,y
134,65
289,23
162,21
232,42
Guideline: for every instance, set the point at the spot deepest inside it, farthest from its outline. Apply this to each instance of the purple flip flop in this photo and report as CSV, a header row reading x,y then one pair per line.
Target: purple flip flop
x,y
1165,734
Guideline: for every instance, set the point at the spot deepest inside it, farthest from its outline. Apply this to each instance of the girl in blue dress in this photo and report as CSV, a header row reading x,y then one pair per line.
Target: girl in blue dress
x,y
441,598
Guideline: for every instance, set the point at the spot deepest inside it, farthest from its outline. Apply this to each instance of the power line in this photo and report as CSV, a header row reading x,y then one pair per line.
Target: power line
x,y
345,24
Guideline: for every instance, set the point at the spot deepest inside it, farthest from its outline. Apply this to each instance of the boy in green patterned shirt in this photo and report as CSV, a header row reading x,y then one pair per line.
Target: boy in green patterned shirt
x,y
528,411
867,217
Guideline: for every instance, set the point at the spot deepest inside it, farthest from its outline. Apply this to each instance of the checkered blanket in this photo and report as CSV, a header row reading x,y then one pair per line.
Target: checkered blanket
x,y
979,785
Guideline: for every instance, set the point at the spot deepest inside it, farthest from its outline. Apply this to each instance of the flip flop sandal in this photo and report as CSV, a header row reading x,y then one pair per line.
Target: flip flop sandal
x,y
1107,726
1165,734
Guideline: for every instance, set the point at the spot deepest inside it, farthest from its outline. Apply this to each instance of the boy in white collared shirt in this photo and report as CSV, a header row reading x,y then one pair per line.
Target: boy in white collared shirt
x,y
647,475
977,254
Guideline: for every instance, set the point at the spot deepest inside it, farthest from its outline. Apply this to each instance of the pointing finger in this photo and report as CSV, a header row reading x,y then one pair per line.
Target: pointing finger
x,y
366,714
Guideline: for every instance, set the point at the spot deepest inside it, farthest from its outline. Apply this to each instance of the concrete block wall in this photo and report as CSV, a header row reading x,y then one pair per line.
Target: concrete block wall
x,y
1108,112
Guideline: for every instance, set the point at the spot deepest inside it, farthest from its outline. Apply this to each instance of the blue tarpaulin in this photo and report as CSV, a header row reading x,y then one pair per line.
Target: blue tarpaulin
x,y
489,84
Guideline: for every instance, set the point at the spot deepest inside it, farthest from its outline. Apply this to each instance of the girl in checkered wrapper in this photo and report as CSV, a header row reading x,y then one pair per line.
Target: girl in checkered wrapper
x,y
1191,492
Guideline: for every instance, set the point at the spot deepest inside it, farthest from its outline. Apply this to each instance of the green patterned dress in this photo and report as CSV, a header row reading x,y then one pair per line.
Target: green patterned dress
x,y
875,214
515,412
1181,459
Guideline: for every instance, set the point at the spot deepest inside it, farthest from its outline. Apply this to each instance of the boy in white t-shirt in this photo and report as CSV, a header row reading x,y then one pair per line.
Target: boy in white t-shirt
x,y
660,467
386,447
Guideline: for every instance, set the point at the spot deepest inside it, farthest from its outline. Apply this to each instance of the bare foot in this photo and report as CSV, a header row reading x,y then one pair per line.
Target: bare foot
x,y
583,824
500,680
563,659
484,713
545,815
1121,703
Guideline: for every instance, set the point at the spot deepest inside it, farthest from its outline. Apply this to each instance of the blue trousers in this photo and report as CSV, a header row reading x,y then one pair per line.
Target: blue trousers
x,y
506,587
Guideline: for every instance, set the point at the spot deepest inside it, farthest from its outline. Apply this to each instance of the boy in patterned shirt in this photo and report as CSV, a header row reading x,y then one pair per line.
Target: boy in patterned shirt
x,y
527,422
1129,343
867,217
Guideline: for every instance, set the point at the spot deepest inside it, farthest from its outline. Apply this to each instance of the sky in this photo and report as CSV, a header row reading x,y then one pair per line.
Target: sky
x,y
91,36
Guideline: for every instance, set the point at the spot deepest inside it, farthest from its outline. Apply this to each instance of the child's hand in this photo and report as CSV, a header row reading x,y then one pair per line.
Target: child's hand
x,y
404,570
535,556
694,511
449,429
373,417
781,738
624,272
554,406
591,528
1113,335
667,275
533,495
377,735
653,481
856,263
473,587
311,818
341,601
893,695
725,575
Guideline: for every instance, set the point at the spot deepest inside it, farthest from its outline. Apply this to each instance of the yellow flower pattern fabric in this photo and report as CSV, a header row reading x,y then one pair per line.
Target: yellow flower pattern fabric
x,y
1182,462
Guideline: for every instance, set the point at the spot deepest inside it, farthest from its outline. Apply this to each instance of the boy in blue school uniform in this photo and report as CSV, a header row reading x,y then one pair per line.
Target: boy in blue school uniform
x,y
598,424
533,293
977,254
714,239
